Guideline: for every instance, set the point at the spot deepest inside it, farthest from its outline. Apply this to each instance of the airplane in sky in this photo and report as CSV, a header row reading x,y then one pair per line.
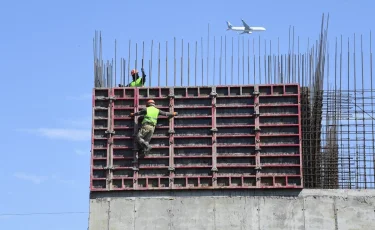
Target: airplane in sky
x,y
246,29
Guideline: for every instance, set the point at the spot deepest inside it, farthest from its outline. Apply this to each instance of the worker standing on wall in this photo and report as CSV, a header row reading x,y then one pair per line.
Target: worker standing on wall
x,y
149,122
138,81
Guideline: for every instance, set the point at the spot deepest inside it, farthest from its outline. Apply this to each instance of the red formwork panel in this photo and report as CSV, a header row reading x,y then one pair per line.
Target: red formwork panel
x,y
224,137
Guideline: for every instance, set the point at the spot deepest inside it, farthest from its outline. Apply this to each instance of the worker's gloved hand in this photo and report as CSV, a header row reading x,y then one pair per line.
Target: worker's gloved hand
x,y
175,113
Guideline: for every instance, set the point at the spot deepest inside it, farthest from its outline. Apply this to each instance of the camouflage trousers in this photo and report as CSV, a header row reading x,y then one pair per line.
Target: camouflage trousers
x,y
144,136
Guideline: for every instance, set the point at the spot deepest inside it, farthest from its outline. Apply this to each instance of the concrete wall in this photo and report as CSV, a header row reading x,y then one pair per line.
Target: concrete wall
x,y
224,210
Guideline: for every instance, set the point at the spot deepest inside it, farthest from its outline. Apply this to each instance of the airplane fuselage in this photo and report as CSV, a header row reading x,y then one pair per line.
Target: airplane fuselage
x,y
242,28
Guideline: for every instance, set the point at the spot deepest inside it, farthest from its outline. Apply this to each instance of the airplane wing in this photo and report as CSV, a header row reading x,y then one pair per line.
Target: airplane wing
x,y
247,27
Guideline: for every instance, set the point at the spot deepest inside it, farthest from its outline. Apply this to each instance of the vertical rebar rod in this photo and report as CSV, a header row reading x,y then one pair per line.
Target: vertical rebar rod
x,y
107,75
151,58
221,58
149,72
355,113
214,76
225,59
121,71
299,59
248,61
208,52
202,60
293,73
159,65
275,64
363,120
143,58
278,60
129,61
335,100
348,77
265,64
270,65
372,111
124,71
243,60
259,70
341,103
238,60
115,61
102,70
136,56
254,60
231,81
195,64
95,62
174,59
111,72
188,64
166,63
182,62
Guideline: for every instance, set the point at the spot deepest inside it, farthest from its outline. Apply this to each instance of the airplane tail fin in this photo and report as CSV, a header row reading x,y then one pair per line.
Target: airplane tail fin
x,y
229,25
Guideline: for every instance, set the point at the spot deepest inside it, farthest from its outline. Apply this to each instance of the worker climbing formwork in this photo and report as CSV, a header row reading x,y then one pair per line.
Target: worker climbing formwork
x,y
138,81
151,114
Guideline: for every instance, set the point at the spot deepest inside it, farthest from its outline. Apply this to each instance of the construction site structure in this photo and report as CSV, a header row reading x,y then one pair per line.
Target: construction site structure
x,y
283,146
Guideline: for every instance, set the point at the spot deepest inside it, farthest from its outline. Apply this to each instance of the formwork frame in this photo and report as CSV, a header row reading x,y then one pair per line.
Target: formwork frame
x,y
224,137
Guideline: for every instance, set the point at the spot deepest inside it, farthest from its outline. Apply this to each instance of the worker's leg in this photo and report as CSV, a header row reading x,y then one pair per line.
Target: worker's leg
x,y
144,136
141,135
148,136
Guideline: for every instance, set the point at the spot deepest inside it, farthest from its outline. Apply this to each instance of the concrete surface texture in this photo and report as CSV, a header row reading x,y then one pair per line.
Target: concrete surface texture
x,y
224,210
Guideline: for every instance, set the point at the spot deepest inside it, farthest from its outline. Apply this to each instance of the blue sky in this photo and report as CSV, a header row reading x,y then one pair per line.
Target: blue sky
x,y
47,72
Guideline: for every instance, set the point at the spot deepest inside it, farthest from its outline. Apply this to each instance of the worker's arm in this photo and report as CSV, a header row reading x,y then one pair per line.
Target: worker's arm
x,y
139,113
162,113
143,76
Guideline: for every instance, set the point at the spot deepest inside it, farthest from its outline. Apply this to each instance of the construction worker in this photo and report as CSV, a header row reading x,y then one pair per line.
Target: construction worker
x,y
149,122
137,80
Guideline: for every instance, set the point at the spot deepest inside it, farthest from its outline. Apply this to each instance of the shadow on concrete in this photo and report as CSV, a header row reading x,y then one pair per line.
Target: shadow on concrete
x,y
199,193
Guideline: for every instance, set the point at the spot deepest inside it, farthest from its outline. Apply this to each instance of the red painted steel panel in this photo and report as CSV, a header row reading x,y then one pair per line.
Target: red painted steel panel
x,y
224,137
